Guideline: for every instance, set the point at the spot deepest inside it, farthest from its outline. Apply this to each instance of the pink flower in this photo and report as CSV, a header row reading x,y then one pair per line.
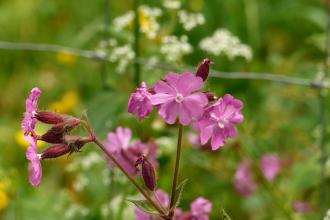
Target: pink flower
x,y
243,180
127,153
31,106
302,206
162,197
270,166
219,120
35,169
200,208
174,97
139,103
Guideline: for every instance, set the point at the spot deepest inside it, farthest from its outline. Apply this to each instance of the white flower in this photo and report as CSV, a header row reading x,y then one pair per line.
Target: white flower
x,y
121,22
90,159
224,42
327,217
148,20
76,211
80,183
190,20
175,48
172,4
122,55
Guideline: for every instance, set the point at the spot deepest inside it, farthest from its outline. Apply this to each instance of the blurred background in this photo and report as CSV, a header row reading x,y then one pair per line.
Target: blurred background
x,y
283,37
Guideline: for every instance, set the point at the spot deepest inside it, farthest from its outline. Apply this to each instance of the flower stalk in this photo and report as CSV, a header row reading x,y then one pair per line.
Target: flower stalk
x,y
103,148
176,169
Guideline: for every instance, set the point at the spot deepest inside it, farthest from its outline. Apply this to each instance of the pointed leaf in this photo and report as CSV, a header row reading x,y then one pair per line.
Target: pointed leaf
x,y
144,205
178,194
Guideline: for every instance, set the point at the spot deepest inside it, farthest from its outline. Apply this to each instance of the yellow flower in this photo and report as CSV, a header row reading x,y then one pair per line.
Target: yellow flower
x,y
148,20
67,104
66,58
23,143
4,199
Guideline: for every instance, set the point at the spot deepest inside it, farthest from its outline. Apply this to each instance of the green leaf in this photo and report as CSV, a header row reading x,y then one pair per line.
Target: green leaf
x,y
145,206
84,116
178,194
224,215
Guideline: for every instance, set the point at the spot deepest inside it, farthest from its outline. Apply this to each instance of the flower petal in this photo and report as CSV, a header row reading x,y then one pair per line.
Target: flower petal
x,y
169,111
188,83
218,139
163,87
161,98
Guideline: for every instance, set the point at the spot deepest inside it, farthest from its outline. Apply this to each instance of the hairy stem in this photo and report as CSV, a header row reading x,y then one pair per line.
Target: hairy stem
x,y
113,159
177,164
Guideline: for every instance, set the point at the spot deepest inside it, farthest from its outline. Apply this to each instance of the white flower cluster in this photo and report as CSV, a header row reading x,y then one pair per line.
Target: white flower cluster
x,y
222,41
80,182
148,20
172,4
85,163
327,216
76,211
175,48
190,20
122,55
121,22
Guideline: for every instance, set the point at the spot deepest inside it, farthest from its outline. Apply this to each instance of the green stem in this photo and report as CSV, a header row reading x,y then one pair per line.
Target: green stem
x,y
137,67
115,161
177,164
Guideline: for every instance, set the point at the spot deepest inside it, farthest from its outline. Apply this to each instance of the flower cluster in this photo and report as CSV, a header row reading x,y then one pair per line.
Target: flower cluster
x,y
172,4
224,42
190,20
127,153
58,134
121,54
180,96
174,48
243,180
147,19
199,209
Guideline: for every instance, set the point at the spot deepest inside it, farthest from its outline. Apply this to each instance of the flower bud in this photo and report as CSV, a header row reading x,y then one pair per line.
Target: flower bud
x,y
203,69
55,151
210,96
148,173
50,117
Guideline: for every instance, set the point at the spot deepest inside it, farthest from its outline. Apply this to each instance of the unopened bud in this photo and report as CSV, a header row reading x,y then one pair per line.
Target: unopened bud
x,y
210,96
204,69
148,173
55,151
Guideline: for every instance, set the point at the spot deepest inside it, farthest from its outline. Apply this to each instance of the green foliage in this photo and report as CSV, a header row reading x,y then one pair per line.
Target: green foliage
x,y
287,38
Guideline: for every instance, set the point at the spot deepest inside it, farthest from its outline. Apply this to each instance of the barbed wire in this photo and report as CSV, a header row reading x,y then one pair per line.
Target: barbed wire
x,y
100,55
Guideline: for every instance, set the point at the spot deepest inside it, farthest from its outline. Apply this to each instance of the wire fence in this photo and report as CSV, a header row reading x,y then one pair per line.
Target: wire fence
x,y
318,83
